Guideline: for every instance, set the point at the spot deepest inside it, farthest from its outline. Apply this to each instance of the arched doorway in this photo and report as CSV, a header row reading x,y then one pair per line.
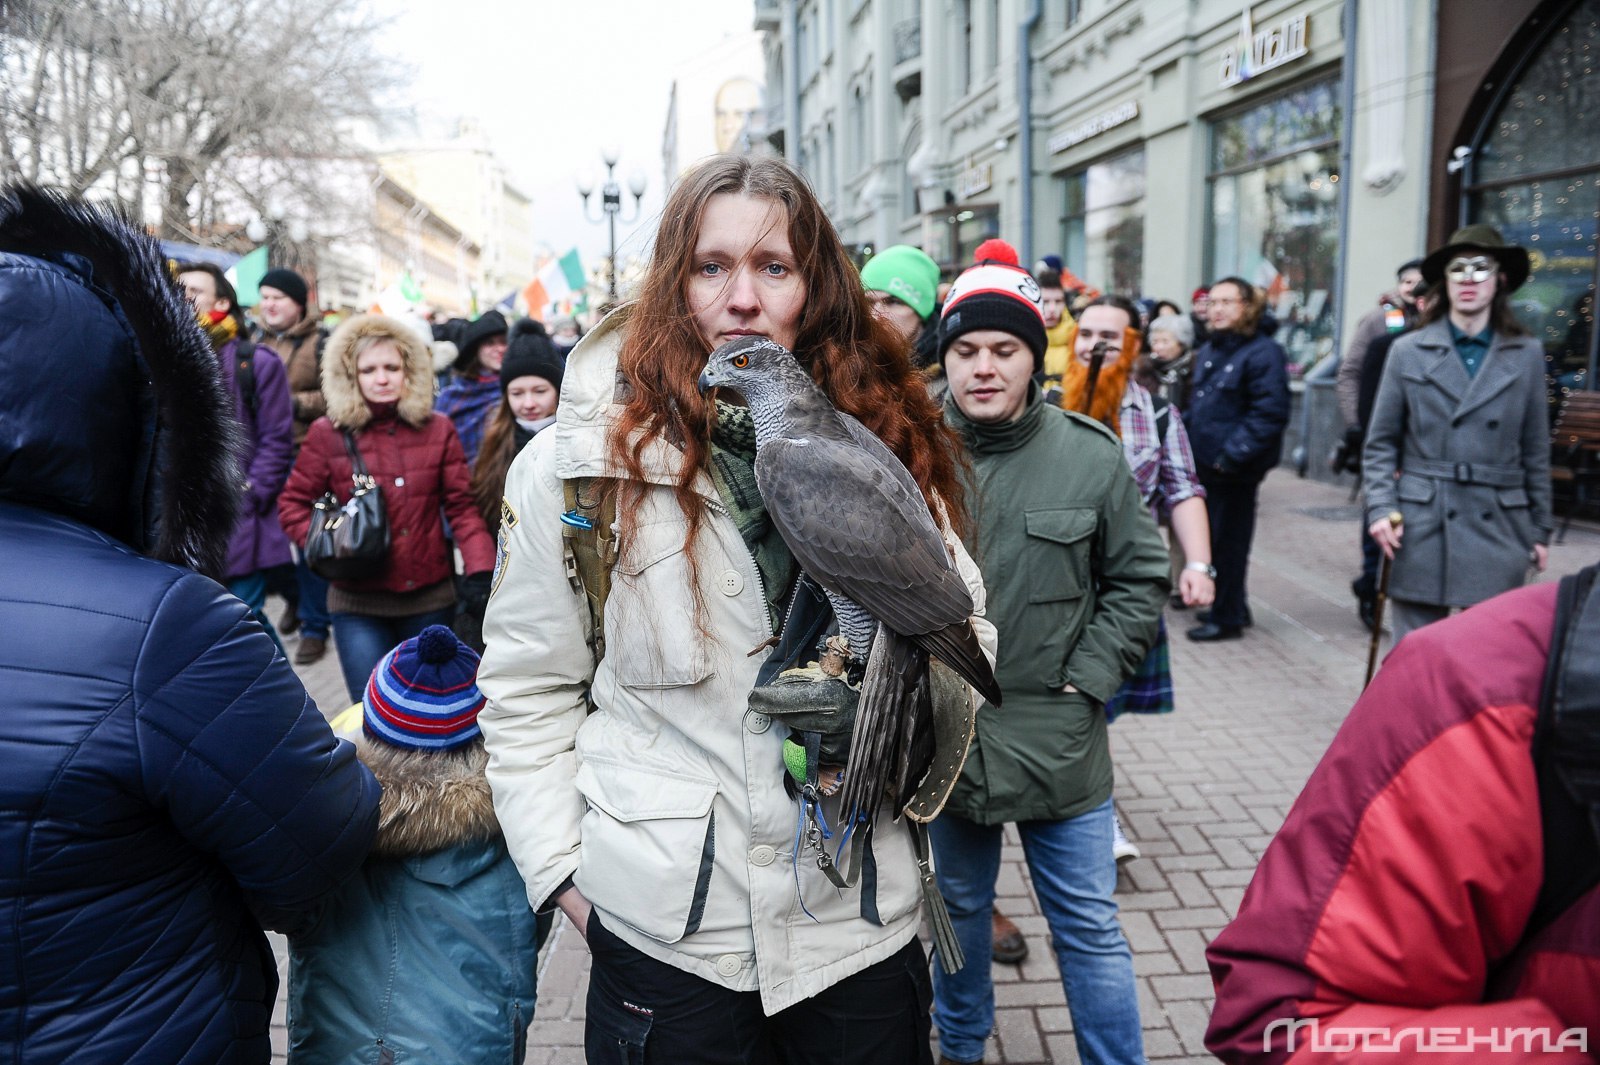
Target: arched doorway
x,y
1534,173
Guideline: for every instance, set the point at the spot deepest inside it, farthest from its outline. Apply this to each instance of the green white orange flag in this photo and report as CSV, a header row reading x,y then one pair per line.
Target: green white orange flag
x,y
557,279
245,276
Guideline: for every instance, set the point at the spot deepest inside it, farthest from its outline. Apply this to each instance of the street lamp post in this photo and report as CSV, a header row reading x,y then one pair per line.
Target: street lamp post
x,y
611,206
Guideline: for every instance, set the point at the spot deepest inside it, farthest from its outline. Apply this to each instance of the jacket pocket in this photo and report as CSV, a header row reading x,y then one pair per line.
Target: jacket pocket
x,y
1414,489
651,640
1056,554
645,840
1512,498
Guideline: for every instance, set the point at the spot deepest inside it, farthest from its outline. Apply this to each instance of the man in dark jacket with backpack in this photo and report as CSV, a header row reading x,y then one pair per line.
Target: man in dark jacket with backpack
x,y
254,374
296,336
168,786
1238,409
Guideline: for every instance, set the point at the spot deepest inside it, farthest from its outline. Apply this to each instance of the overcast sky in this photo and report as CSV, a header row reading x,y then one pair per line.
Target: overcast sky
x,y
553,82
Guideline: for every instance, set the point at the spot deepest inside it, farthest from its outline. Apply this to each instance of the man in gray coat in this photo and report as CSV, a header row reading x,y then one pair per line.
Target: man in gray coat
x,y
1456,466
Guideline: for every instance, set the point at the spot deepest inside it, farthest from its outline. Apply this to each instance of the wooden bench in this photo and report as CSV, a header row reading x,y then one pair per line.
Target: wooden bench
x,y
1575,450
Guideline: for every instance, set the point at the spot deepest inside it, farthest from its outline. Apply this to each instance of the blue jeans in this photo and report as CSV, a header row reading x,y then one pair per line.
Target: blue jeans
x,y
362,641
313,605
1074,875
252,590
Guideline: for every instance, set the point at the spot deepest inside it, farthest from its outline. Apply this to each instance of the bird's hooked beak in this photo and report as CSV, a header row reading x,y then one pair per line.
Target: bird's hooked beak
x,y
716,373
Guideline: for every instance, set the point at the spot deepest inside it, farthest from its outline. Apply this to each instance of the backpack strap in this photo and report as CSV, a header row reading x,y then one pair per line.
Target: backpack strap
x,y
245,374
589,547
1566,751
1163,409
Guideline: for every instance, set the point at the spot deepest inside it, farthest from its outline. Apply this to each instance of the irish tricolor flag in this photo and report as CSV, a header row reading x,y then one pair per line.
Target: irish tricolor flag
x,y
558,279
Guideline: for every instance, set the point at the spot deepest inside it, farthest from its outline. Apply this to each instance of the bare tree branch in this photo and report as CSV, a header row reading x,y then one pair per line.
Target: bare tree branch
x,y
161,101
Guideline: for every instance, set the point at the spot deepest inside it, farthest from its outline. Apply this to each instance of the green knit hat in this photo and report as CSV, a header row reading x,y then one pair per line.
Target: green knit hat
x,y
906,274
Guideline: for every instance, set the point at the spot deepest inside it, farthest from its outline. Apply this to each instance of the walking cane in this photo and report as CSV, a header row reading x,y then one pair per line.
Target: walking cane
x,y
1395,521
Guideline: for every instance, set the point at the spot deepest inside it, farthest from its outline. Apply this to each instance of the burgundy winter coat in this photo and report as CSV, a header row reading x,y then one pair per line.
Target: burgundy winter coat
x,y
419,469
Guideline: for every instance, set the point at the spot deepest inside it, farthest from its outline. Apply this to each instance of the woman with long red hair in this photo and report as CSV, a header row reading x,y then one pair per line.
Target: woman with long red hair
x,y
637,790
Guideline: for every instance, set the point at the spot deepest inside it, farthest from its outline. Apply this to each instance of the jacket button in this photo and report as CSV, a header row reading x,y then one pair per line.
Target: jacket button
x,y
757,723
1486,516
729,965
1494,423
1450,515
413,584
762,855
731,582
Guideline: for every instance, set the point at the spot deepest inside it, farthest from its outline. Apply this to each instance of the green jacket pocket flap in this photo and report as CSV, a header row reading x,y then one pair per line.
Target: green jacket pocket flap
x,y
1063,525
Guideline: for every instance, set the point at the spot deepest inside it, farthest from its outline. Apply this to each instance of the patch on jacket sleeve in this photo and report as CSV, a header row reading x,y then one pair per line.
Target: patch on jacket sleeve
x,y
502,546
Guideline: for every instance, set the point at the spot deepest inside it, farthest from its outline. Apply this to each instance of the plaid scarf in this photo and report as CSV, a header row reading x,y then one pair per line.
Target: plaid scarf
x,y
733,456
219,331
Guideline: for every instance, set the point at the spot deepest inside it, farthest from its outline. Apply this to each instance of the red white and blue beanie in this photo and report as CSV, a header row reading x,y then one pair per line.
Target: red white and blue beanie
x,y
996,294
424,694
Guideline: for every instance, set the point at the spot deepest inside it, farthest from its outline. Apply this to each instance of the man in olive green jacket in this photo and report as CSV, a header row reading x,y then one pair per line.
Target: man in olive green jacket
x,y
1077,576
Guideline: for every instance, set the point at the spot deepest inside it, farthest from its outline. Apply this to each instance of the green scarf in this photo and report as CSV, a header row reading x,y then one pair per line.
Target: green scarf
x,y
733,456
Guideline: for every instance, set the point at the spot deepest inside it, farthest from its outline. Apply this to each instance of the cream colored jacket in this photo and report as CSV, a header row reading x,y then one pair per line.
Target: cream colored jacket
x,y
670,767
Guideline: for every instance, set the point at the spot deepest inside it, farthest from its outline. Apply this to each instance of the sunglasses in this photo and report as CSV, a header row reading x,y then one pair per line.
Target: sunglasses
x,y
1476,270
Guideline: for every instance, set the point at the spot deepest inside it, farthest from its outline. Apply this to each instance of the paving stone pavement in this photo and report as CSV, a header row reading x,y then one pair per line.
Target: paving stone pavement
x,y
1201,790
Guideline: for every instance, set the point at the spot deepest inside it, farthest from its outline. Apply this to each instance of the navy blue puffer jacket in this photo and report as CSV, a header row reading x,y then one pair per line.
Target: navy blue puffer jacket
x,y
1239,405
166,785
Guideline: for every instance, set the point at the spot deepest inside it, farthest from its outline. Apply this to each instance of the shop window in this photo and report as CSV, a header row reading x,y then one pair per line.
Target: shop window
x,y
1274,218
1102,226
1535,176
952,244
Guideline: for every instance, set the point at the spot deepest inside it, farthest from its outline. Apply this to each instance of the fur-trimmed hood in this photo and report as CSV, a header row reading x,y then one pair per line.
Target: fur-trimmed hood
x,y
112,406
346,408
430,800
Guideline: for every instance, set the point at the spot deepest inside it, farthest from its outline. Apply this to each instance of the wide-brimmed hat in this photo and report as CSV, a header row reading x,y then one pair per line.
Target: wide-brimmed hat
x,y
1480,237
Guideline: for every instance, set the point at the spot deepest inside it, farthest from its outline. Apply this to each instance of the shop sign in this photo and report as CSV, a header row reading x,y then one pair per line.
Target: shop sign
x,y
974,179
1256,53
1117,116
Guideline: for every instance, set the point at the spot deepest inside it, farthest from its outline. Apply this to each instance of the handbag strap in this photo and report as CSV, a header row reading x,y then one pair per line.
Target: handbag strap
x,y
358,468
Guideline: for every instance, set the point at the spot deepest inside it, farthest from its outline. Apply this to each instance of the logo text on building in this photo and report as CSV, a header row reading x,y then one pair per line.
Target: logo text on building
x,y
1258,52
1117,116
975,179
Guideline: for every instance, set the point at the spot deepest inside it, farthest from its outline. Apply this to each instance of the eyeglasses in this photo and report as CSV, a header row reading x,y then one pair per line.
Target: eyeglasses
x,y
1225,300
1475,270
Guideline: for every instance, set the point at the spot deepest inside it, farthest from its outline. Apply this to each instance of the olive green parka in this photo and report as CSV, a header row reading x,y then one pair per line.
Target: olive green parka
x,y
1077,576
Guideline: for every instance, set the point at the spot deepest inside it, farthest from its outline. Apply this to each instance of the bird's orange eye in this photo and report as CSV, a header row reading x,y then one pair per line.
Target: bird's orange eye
x,y
740,361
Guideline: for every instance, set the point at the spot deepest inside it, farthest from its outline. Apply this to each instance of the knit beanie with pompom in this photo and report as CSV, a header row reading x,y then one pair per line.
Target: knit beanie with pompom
x,y
998,294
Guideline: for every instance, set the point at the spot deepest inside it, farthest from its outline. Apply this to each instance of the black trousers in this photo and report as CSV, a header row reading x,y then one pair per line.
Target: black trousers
x,y
645,1012
1231,504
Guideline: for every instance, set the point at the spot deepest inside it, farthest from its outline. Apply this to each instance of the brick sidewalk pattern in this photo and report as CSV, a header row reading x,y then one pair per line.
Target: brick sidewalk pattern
x,y
1201,791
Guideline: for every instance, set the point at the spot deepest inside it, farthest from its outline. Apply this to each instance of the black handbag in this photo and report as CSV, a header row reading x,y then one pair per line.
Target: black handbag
x,y
349,541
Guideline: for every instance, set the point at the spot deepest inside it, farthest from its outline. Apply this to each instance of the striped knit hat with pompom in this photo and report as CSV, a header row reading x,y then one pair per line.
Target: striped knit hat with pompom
x,y
424,694
995,294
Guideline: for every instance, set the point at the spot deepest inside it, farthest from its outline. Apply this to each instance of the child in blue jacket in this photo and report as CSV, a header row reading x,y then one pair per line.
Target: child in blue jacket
x,y
429,953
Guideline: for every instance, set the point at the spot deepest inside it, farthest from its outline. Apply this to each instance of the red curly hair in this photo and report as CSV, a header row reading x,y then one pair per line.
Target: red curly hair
x,y
862,364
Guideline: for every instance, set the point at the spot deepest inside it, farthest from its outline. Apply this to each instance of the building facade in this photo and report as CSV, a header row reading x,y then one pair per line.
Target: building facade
x,y
463,180
1310,146
399,235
